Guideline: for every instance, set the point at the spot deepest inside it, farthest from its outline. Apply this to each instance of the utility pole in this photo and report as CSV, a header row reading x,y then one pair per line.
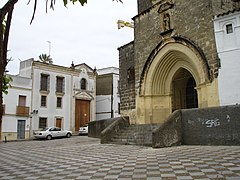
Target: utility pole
x,y
49,47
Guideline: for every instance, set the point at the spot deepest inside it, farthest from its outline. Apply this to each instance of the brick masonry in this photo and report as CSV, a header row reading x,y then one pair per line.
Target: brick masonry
x,y
127,84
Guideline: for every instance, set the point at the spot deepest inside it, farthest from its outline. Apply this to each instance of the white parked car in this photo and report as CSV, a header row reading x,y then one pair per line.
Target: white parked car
x,y
83,129
52,132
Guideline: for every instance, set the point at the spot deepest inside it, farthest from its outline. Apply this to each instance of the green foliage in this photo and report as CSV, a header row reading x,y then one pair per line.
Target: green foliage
x,y
52,4
6,83
46,58
82,2
73,1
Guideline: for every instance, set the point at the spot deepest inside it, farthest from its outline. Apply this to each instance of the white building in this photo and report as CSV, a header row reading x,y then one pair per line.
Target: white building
x,y
16,121
108,98
227,33
57,96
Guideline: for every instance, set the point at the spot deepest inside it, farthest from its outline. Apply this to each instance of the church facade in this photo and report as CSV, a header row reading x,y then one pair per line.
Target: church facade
x,y
173,62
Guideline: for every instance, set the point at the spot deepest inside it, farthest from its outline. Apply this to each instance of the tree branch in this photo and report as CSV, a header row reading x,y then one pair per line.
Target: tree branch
x,y
10,4
34,11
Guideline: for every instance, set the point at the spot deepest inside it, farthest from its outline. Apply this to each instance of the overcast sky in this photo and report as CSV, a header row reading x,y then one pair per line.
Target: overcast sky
x,y
86,34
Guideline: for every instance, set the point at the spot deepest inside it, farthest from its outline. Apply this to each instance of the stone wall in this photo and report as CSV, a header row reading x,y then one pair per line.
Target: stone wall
x,y
202,126
170,132
115,127
212,126
127,77
96,127
144,5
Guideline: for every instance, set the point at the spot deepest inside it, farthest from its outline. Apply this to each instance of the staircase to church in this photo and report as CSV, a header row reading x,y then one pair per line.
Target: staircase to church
x,y
135,135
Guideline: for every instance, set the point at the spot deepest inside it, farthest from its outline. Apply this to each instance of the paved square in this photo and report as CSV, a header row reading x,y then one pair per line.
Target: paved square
x,y
81,157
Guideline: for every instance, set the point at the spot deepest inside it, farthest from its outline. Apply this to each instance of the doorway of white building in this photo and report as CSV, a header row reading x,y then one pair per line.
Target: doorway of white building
x,y
21,129
59,122
82,113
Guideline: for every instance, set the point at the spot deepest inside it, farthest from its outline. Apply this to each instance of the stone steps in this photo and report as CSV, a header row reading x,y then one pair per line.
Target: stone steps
x,y
135,135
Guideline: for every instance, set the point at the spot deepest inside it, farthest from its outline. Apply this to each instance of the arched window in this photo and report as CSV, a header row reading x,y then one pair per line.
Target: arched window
x,y
229,28
83,84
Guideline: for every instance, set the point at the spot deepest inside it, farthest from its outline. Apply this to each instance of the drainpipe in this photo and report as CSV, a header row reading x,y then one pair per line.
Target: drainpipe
x,y
112,115
31,109
71,102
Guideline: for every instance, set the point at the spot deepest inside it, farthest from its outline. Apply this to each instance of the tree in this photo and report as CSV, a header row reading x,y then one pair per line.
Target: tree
x,y
6,18
46,58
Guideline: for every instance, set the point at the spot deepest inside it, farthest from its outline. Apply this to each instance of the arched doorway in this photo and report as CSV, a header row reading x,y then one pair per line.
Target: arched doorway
x,y
174,77
184,94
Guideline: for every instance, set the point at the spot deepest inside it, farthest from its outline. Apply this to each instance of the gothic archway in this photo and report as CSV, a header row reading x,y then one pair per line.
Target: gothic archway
x,y
170,61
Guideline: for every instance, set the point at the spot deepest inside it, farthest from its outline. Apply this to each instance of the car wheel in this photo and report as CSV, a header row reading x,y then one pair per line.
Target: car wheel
x,y
68,135
49,137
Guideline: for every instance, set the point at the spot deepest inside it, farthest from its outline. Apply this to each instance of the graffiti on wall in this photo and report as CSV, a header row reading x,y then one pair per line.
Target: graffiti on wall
x,y
212,123
209,123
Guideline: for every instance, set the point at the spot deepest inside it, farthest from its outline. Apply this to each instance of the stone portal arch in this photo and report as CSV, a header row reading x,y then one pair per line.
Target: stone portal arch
x,y
169,61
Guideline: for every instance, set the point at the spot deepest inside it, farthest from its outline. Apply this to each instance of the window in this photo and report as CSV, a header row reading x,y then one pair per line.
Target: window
x,y
83,84
60,84
229,28
42,123
59,102
43,101
44,82
22,100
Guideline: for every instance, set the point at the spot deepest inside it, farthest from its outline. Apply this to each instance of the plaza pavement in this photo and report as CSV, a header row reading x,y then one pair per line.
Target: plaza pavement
x,y
81,157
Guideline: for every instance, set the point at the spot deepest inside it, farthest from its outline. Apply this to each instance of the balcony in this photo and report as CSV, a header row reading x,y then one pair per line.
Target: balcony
x,y
22,111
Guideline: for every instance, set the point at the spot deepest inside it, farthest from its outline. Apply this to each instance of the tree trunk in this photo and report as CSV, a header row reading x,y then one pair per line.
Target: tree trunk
x,y
1,93
7,9
1,72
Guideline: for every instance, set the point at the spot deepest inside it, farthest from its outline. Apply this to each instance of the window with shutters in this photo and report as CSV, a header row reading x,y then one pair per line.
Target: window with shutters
x,y
59,102
59,84
43,101
44,82
42,122
22,100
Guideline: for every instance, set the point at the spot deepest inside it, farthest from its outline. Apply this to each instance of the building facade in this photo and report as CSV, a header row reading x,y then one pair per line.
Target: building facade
x,y
16,120
108,97
55,96
173,62
227,33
